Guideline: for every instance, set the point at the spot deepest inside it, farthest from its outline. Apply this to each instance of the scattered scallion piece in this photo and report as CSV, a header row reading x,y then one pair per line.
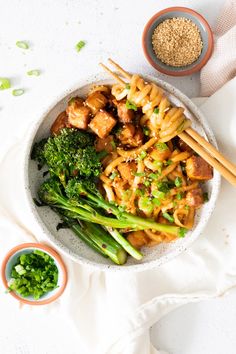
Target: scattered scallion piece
x,y
145,204
142,155
147,183
18,92
158,165
139,174
146,131
131,105
80,45
168,217
158,194
182,232
114,175
164,186
168,162
113,144
153,176
186,207
178,182
156,110
179,196
127,86
34,72
22,45
4,83
161,146
156,201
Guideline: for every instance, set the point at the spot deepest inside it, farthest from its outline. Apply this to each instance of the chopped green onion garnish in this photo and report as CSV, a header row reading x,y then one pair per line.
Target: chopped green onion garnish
x,y
164,186
127,86
146,131
18,92
80,45
168,162
168,217
33,72
22,45
114,175
113,144
156,201
139,174
142,155
161,146
131,105
178,182
153,176
139,192
147,183
4,83
145,204
156,110
182,232
179,196
158,164
174,204
205,197
158,194
186,207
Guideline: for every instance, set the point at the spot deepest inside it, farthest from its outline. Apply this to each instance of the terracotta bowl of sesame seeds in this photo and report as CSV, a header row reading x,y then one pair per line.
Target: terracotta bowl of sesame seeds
x,y
177,41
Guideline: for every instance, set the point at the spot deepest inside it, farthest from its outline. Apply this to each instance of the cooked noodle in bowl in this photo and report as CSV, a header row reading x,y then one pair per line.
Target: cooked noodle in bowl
x,y
147,171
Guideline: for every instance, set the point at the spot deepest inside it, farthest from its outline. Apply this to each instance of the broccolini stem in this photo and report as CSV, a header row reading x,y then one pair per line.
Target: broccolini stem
x,y
125,244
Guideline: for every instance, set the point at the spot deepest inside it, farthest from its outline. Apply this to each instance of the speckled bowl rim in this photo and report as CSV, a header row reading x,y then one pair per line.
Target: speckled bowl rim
x,y
64,249
53,254
187,71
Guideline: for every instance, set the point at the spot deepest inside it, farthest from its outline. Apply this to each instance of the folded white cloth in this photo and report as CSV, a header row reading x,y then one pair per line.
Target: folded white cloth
x,y
222,65
111,313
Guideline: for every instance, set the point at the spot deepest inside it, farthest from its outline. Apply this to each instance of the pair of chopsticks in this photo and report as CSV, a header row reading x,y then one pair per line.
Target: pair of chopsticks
x,y
202,147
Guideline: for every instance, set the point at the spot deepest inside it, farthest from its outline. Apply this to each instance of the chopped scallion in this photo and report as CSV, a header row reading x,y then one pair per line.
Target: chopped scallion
x,y
22,45
34,72
127,86
161,146
156,110
131,105
156,201
4,83
179,196
168,217
114,175
139,174
158,194
205,197
146,131
80,45
142,155
178,182
18,92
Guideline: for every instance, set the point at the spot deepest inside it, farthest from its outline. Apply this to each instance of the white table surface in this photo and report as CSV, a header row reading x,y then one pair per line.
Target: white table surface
x,y
111,29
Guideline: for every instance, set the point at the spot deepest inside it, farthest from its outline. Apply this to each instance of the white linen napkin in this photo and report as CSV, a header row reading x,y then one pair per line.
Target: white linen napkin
x,y
111,313
222,65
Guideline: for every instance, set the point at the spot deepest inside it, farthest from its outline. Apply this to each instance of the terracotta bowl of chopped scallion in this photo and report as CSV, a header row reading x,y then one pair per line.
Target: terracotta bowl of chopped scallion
x,y
34,274
177,41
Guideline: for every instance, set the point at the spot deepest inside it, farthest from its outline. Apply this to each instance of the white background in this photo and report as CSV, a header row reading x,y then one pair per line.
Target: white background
x,y
111,29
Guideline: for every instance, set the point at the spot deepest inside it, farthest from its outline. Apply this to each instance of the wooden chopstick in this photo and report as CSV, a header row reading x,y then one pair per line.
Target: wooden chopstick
x,y
208,152
212,150
208,158
112,74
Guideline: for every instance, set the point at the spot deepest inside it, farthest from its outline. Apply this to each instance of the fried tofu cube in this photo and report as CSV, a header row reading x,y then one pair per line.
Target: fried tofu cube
x,y
60,123
138,239
198,169
106,144
125,115
127,170
194,198
78,114
96,101
161,152
102,124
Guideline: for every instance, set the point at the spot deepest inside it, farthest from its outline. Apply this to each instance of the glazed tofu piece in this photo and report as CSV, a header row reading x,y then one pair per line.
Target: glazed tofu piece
x,y
125,115
78,114
138,239
198,169
106,144
102,124
60,123
127,170
130,135
194,198
96,101
161,152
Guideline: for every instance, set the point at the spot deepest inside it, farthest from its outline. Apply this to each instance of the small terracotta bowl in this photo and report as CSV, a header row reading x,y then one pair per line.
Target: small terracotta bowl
x,y
11,258
205,31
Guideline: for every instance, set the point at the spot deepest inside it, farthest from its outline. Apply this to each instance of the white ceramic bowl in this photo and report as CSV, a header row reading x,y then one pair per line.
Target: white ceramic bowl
x,y
24,248
70,244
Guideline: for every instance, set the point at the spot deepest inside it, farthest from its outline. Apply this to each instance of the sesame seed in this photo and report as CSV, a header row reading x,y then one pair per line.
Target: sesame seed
x,y
177,42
